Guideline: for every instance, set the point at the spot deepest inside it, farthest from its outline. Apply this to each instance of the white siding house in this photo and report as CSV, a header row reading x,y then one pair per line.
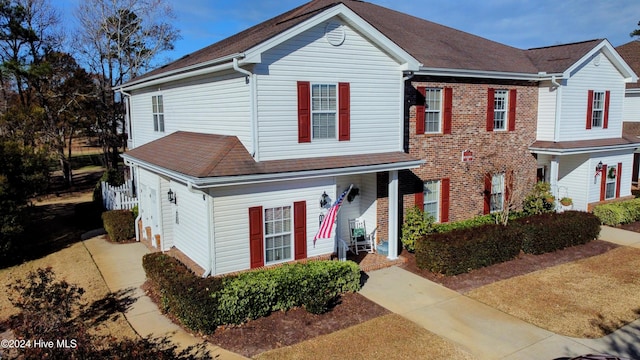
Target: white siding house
x,y
580,115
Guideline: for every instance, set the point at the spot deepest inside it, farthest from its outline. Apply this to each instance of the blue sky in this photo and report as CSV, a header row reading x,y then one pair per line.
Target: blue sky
x,y
519,23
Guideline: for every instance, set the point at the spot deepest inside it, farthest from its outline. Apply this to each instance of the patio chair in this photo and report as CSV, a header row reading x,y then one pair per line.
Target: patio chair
x,y
360,239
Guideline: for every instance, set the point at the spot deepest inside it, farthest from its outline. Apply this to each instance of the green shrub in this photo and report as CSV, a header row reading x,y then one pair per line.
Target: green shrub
x,y
623,212
465,224
550,232
539,200
119,224
460,251
203,304
416,224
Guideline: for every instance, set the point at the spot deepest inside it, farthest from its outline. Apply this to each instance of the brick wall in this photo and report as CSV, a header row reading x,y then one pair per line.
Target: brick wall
x,y
491,149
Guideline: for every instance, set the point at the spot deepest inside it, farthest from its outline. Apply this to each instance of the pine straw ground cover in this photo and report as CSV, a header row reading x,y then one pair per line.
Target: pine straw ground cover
x,y
588,298
386,337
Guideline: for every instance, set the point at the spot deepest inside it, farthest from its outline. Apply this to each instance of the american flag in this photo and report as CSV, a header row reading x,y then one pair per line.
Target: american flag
x,y
324,231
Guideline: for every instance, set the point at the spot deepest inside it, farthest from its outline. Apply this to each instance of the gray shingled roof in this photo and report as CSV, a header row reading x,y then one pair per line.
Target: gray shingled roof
x,y
434,45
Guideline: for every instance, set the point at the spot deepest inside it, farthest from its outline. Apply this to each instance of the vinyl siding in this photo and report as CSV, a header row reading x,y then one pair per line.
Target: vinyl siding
x,y
611,159
603,77
191,231
631,108
217,105
168,214
230,211
149,183
573,179
375,84
362,206
546,112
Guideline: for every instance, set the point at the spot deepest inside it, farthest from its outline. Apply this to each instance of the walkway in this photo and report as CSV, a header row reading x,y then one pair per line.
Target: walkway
x,y
485,332
121,268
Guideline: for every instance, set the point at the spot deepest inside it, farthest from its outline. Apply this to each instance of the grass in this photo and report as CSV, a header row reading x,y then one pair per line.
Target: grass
x,y
75,265
586,299
387,337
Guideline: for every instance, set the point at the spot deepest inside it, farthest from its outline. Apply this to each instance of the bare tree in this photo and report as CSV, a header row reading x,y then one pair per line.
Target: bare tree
x,y
119,39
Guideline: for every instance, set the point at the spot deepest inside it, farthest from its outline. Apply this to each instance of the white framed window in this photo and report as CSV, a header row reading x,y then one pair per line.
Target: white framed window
x,y
597,112
324,105
432,199
158,113
497,192
432,110
500,108
278,236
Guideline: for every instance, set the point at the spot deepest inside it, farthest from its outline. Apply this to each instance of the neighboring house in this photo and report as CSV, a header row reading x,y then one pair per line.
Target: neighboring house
x,y
630,52
234,146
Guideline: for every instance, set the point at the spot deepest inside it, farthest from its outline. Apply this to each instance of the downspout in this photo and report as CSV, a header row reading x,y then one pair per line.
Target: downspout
x,y
556,130
403,105
253,103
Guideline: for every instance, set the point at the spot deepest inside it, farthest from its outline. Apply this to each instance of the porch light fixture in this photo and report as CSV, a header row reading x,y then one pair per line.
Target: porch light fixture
x,y
324,199
599,168
171,196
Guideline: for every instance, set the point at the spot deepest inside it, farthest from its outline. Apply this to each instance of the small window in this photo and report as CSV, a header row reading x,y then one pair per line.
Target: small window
x,y
598,109
324,102
277,234
158,113
497,192
432,199
432,110
500,107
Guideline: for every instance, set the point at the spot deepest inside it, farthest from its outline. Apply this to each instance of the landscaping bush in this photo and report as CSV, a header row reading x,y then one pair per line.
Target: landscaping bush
x,y
460,251
182,293
550,232
416,224
539,200
119,224
617,213
203,304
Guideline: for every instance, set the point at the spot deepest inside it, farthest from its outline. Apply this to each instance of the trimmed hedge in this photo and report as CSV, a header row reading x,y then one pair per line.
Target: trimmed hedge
x,y
550,232
460,251
203,304
617,213
119,224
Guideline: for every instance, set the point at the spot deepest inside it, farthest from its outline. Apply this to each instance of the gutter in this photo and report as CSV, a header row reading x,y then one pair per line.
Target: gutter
x,y
222,63
583,150
480,74
208,182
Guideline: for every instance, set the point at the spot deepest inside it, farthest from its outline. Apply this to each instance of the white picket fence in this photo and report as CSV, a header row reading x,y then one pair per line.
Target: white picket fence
x,y
118,197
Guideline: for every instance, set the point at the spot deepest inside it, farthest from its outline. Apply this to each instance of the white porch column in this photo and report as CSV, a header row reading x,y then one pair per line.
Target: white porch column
x,y
553,175
393,215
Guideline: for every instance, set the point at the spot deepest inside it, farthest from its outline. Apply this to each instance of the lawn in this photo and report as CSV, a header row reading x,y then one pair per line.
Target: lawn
x,y
386,337
588,298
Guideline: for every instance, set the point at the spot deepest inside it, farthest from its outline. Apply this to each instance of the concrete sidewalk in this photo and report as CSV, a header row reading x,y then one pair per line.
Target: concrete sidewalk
x,y
121,269
483,331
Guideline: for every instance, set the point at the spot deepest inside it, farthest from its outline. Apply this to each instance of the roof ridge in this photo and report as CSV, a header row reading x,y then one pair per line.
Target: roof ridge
x,y
567,44
230,143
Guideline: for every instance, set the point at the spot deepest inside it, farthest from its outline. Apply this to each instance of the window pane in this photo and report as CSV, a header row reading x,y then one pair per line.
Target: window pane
x,y
500,109
497,190
610,190
432,198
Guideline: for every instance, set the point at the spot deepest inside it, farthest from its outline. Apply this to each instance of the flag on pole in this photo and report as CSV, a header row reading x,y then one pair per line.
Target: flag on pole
x,y
329,220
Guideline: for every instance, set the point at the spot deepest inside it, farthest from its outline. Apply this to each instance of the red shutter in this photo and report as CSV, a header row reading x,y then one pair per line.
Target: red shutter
x,y
256,238
304,111
607,97
444,200
603,182
513,96
618,179
300,229
487,193
420,110
589,109
344,112
490,108
448,111
420,199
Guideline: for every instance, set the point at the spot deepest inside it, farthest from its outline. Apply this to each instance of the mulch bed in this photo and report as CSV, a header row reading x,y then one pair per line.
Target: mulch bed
x,y
294,326
523,264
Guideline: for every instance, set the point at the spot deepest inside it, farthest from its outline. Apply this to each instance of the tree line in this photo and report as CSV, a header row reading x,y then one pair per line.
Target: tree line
x,y
56,86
